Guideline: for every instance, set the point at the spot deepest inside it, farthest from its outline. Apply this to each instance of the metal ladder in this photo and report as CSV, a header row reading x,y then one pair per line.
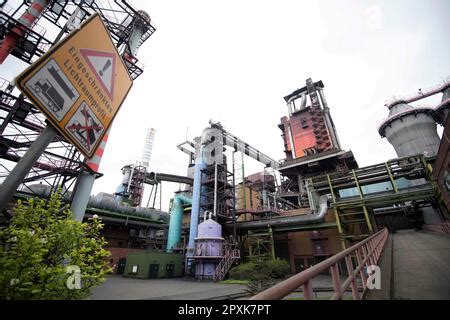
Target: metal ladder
x,y
225,264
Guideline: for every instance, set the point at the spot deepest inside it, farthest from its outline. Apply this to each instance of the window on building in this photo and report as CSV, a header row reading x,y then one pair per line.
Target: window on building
x,y
304,122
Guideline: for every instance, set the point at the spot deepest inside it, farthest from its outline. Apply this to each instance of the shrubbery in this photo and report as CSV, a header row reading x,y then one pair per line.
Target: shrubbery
x,y
44,251
263,270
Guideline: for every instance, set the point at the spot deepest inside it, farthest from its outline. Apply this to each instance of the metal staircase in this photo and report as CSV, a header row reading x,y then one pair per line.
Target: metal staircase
x,y
230,257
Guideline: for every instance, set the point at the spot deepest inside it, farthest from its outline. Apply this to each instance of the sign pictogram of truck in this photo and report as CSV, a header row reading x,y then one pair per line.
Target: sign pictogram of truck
x,y
54,100
49,93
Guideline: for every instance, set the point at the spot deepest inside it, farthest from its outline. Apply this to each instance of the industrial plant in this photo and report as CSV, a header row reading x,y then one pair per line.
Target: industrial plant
x,y
311,206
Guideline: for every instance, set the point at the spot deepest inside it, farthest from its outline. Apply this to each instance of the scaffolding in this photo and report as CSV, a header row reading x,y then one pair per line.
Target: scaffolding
x,y
260,245
404,181
218,194
20,122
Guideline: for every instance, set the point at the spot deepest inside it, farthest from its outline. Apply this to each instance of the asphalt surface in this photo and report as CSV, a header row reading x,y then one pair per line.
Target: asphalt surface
x,y
421,265
117,287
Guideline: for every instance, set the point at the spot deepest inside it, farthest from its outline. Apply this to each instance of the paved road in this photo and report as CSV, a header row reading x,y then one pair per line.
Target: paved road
x,y
421,263
117,287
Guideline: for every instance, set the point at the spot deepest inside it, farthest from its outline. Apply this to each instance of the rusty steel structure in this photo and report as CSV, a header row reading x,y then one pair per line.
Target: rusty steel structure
x,y
311,142
356,258
23,34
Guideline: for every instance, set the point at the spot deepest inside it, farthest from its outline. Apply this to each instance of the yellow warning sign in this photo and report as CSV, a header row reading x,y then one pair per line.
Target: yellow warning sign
x,y
79,84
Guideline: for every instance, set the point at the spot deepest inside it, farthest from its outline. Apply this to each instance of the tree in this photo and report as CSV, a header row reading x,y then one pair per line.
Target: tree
x,y
46,254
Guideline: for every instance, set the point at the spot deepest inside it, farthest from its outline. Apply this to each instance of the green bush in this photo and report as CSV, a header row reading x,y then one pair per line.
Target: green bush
x,y
243,271
261,270
46,254
277,268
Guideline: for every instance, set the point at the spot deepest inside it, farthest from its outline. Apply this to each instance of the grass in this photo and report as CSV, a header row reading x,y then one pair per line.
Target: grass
x,y
231,281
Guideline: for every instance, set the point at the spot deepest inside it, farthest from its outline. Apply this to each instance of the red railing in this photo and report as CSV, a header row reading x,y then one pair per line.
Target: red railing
x,y
362,254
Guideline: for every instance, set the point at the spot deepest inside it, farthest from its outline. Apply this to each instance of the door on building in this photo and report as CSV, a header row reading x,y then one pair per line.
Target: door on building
x,y
281,247
121,265
153,271
169,270
303,262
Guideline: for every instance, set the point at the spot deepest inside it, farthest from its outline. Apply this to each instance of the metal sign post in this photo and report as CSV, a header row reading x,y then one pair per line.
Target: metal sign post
x,y
16,176
79,84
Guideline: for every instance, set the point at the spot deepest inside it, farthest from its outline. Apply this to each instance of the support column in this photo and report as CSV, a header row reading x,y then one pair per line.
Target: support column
x,y
82,193
17,175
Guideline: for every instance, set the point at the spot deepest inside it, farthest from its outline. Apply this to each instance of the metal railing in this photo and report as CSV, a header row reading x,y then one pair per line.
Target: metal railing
x,y
225,264
357,257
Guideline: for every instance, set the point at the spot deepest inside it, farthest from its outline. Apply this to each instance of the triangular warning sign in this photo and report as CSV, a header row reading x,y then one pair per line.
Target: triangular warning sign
x,y
102,64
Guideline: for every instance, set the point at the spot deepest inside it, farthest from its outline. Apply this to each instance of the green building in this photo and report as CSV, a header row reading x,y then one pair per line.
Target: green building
x,y
151,265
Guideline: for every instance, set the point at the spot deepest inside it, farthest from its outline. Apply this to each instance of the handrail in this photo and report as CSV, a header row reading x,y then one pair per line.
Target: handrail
x,y
367,252
228,259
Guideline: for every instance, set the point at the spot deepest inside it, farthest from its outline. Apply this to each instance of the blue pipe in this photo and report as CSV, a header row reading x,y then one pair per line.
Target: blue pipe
x,y
176,219
196,201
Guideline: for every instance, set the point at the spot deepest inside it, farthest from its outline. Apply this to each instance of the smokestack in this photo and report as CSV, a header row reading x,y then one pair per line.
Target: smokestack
x,y
148,146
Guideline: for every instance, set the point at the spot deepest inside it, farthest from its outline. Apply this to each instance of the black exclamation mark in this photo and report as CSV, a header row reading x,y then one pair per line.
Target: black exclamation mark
x,y
106,66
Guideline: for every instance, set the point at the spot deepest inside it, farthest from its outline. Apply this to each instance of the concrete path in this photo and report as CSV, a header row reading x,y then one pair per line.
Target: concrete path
x,y
117,287
421,265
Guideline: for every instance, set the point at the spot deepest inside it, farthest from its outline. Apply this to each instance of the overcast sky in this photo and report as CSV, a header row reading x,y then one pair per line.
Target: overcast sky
x,y
234,61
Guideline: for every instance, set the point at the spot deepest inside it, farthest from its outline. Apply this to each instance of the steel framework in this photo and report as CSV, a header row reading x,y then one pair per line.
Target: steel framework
x,y
354,215
20,122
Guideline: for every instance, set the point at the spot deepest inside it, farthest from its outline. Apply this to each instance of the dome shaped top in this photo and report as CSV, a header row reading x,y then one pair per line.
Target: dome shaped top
x,y
402,109
209,229
399,107
144,16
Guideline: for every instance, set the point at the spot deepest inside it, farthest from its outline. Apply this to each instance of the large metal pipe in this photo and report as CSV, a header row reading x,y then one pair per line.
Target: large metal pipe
x,y
32,13
196,211
312,218
157,177
176,219
291,141
240,145
328,121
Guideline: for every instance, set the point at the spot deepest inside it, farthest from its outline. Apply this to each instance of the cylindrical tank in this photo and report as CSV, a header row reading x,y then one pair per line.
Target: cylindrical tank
x,y
209,229
410,130
103,201
38,189
126,171
208,248
443,109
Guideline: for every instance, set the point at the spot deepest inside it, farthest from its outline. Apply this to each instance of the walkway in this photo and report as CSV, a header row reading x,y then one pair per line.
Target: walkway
x,y
117,287
421,263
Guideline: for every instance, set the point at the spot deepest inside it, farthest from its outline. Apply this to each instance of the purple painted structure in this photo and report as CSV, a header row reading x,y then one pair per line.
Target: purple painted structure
x,y
208,248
